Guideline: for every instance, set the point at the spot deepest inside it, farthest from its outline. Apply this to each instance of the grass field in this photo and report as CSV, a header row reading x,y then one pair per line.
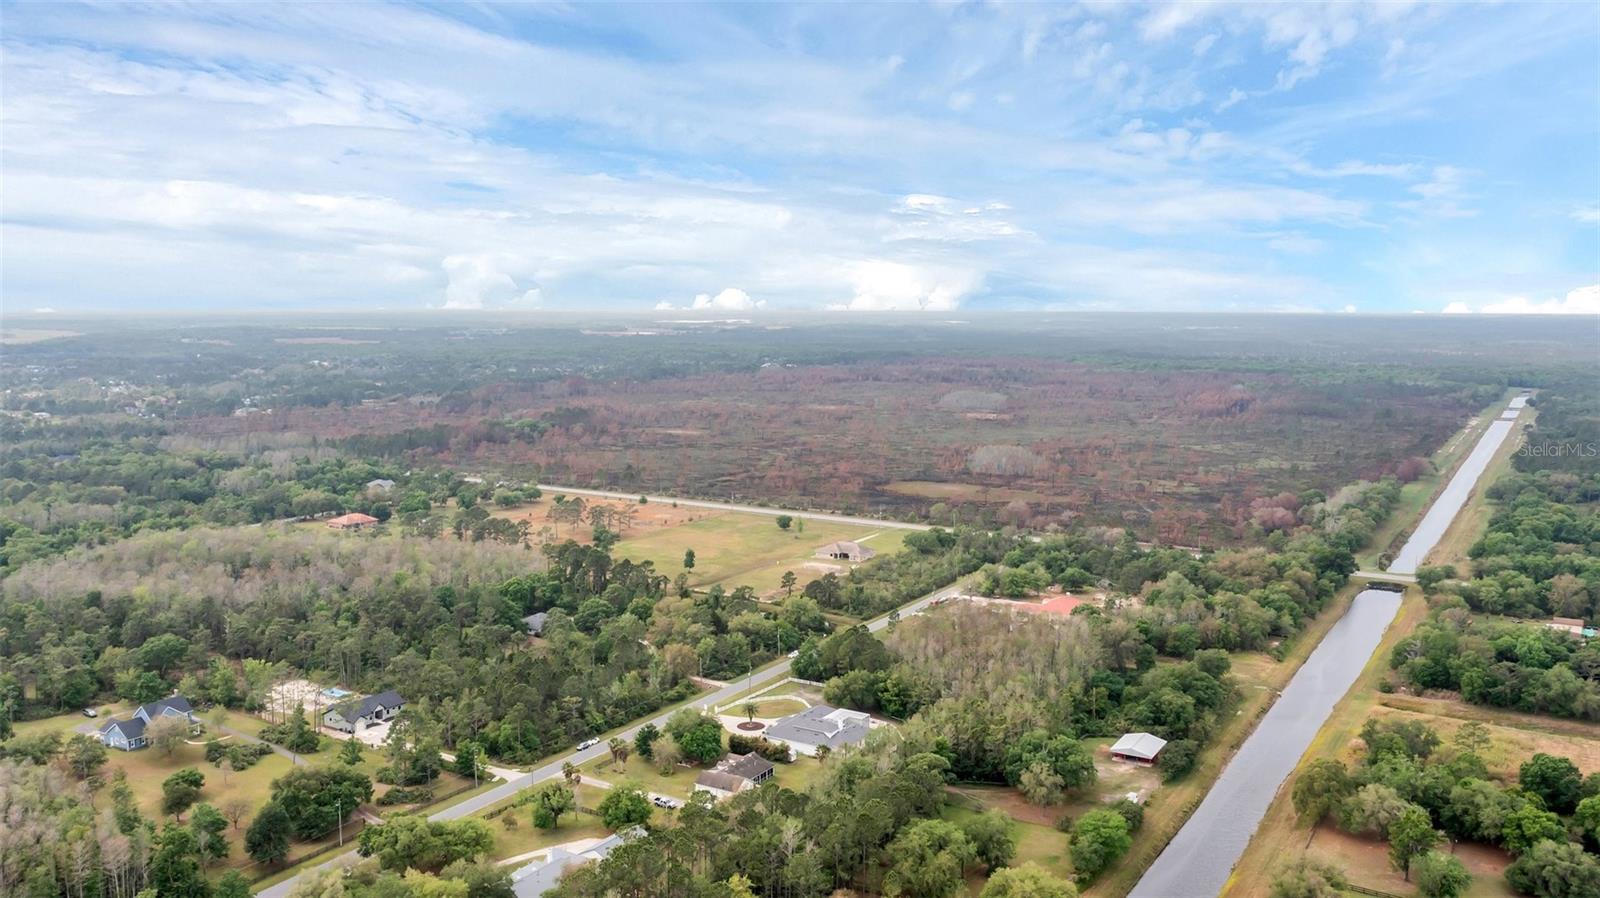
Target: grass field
x,y
526,837
1040,844
678,783
734,549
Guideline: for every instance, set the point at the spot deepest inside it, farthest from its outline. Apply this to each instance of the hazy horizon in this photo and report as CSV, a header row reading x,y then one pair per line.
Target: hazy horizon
x,y
944,159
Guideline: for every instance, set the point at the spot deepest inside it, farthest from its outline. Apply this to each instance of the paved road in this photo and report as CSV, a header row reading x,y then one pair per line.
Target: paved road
x,y
1384,577
773,672
748,509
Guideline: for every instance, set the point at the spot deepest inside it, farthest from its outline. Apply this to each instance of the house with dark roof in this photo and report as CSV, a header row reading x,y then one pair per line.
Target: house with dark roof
x,y
818,726
358,713
535,623
129,735
734,774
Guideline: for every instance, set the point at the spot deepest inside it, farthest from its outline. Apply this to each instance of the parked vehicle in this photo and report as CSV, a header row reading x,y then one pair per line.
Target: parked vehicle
x,y
588,743
90,712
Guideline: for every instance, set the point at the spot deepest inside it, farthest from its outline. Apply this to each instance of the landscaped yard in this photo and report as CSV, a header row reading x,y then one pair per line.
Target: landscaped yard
x,y
526,837
678,784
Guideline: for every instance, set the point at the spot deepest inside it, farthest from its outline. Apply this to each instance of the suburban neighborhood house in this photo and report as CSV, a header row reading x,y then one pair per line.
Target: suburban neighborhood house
x,y
819,726
535,879
381,485
129,734
1138,748
734,774
845,550
359,713
355,520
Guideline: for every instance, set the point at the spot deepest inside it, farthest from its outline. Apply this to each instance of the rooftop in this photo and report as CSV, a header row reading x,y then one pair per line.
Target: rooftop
x,y
822,725
1139,745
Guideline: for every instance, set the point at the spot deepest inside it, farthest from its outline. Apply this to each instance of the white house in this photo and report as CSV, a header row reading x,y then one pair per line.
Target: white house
x,y
347,717
129,734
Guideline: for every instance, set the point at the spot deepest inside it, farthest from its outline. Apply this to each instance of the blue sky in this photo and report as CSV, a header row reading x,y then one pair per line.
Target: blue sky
x,y
1387,157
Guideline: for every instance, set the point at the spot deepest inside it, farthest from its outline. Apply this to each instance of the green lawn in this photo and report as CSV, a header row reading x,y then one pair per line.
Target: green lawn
x,y
148,768
798,774
679,783
736,549
1038,843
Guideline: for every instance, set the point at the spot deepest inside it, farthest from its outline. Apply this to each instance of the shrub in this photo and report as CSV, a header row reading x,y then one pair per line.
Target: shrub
x,y
776,752
1177,759
407,795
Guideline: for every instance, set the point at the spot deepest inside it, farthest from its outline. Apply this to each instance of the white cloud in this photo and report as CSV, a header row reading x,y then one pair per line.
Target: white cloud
x,y
1235,97
731,299
1442,195
1349,310
1580,301
664,306
884,286
1587,214
477,281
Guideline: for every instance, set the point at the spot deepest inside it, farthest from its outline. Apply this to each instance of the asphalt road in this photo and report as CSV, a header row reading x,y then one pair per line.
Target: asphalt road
x,y
551,769
748,509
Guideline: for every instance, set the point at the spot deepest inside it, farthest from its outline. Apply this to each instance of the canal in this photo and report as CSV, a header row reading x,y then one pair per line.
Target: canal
x,y
1198,861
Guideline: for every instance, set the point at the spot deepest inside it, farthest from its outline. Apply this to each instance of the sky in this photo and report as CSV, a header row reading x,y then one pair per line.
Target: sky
x,y
1196,156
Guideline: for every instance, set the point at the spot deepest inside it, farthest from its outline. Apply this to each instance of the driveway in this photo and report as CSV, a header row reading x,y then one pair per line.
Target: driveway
x,y
775,671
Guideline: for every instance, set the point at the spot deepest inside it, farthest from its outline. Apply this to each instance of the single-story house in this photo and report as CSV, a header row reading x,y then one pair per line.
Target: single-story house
x,y
381,485
533,880
1571,625
1139,748
355,520
734,774
347,717
129,734
845,550
535,623
820,725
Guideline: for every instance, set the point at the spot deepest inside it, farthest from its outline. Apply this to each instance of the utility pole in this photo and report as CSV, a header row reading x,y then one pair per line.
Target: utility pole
x,y
338,804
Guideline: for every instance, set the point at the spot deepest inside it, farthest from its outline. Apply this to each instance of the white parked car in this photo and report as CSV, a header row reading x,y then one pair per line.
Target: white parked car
x,y
795,653
588,743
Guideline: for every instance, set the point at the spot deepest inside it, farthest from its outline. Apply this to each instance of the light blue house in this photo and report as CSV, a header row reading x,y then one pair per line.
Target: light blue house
x,y
129,734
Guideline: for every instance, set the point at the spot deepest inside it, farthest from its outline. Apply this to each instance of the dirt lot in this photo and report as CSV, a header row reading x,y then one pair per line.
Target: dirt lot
x,y
1368,862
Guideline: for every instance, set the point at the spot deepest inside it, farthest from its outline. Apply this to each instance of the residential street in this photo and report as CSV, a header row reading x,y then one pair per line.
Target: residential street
x,y
773,672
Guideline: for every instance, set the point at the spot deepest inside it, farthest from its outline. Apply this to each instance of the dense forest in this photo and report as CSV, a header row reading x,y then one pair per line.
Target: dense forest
x,y
1174,428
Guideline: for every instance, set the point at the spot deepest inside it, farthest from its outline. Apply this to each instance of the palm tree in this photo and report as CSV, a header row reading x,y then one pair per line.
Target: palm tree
x,y
570,773
750,709
619,751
